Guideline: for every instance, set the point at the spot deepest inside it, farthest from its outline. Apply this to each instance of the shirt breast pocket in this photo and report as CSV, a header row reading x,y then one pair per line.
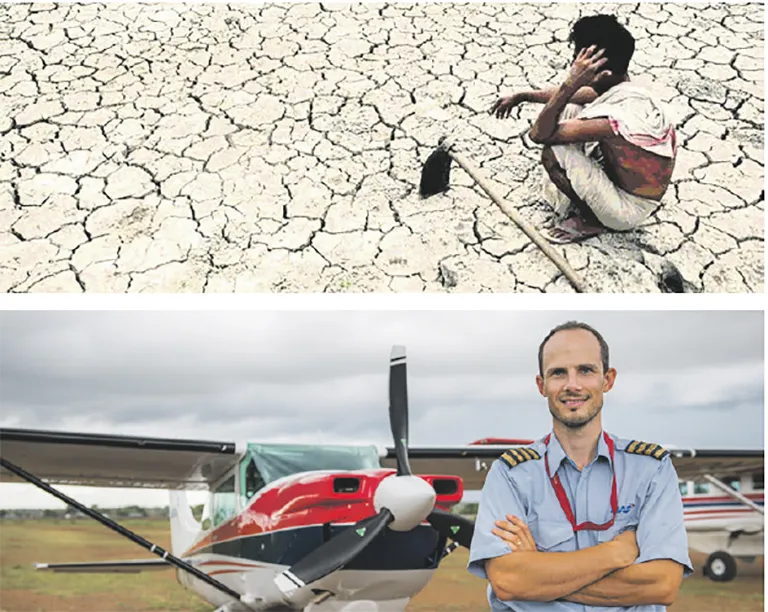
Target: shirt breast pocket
x,y
621,524
552,536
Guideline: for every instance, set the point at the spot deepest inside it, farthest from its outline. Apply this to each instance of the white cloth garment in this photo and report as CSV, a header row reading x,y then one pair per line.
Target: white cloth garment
x,y
636,117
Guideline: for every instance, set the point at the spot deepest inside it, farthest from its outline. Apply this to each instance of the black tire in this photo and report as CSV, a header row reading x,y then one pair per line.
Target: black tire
x,y
720,567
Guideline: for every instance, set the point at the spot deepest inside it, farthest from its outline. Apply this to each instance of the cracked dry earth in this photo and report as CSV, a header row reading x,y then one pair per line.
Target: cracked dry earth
x,y
220,148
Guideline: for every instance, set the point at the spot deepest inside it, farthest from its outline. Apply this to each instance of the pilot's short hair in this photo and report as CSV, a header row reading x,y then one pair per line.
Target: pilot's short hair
x,y
604,353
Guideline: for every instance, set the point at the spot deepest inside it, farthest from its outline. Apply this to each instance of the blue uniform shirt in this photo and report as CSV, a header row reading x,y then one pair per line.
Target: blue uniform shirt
x,y
649,501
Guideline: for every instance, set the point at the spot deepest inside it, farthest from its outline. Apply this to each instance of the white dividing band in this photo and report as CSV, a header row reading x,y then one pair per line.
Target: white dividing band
x,y
288,583
397,354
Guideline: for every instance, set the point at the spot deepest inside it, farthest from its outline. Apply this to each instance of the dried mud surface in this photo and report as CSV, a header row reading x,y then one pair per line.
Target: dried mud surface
x,y
229,148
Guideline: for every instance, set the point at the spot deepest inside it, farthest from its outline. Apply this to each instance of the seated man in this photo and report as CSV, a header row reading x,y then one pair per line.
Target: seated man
x,y
609,147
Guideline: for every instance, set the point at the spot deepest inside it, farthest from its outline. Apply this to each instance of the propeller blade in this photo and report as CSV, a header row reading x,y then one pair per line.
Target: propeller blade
x,y
452,526
334,554
398,408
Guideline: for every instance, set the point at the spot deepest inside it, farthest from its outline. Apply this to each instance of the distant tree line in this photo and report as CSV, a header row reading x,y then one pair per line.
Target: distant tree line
x,y
71,513
468,509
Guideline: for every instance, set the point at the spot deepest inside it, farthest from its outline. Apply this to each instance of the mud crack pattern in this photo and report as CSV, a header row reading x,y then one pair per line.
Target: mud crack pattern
x,y
221,148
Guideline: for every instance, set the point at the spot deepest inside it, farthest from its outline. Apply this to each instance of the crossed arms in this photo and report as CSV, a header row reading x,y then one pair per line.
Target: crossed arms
x,y
643,565
602,575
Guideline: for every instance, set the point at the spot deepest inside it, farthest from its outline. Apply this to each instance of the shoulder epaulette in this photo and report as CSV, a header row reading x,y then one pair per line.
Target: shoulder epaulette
x,y
636,447
516,456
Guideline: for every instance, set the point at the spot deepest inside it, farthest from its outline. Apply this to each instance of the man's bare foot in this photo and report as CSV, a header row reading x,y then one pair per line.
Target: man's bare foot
x,y
573,229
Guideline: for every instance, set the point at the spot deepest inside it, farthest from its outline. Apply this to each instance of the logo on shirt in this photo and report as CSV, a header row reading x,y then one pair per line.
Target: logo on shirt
x,y
625,509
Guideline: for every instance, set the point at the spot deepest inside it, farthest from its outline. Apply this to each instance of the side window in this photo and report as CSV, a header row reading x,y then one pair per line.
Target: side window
x,y
734,483
758,481
701,488
224,502
683,488
251,481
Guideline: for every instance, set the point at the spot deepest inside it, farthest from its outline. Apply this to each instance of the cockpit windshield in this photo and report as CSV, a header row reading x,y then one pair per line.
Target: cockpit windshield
x,y
276,461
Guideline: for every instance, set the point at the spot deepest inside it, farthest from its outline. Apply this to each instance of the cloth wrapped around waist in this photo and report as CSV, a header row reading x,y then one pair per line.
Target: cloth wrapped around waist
x,y
583,166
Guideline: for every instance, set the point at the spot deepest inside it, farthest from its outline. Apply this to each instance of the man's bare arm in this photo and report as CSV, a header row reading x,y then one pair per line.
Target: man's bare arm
x,y
644,584
503,107
549,117
583,72
583,96
529,575
579,130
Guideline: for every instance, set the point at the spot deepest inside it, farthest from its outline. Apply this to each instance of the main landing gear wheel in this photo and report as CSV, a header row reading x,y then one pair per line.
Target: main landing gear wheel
x,y
720,567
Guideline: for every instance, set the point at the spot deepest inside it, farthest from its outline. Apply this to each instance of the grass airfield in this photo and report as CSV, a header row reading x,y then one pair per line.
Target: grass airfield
x,y
22,589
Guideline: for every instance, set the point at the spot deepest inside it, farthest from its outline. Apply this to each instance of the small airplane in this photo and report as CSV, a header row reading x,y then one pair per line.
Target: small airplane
x,y
729,525
297,527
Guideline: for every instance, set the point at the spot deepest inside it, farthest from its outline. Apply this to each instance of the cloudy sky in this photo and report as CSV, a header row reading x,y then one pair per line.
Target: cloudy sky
x,y
692,379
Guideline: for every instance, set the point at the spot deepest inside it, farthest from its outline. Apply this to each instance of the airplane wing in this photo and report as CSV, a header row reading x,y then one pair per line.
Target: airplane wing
x,y
471,462
692,464
115,461
133,566
35,456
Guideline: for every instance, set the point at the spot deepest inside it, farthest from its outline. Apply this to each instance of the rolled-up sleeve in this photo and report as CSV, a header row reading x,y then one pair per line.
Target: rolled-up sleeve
x,y
498,498
661,529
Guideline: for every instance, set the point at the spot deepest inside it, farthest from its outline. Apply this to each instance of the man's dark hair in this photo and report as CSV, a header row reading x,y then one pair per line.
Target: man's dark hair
x,y
575,325
605,32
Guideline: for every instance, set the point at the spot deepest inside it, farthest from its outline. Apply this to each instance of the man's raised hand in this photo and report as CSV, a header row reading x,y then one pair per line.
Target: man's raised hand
x,y
586,67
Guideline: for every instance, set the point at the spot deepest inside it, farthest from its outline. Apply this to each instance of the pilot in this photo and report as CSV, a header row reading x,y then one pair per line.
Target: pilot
x,y
580,520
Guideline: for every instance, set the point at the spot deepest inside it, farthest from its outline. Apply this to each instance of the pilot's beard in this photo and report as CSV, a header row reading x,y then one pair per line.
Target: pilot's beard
x,y
575,422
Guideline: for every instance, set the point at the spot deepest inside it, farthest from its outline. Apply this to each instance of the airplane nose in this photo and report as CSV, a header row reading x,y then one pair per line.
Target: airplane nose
x,y
410,499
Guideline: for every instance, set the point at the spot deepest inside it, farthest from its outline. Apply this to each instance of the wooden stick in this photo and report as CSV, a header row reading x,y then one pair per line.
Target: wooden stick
x,y
508,210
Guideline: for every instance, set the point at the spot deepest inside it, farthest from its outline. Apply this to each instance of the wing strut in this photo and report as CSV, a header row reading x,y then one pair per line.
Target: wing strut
x,y
733,493
168,557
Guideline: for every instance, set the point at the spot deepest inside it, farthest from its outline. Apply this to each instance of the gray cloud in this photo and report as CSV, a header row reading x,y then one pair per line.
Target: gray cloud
x,y
688,378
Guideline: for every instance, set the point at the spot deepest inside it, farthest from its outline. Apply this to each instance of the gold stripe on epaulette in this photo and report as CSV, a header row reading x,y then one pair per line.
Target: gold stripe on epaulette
x,y
637,447
516,456
525,453
532,453
508,459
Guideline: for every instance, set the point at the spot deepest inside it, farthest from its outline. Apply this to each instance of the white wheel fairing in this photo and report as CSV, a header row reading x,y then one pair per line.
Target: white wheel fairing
x,y
388,590
392,605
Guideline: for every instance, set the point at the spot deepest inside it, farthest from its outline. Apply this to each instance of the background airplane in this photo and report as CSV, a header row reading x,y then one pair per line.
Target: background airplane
x,y
724,508
314,527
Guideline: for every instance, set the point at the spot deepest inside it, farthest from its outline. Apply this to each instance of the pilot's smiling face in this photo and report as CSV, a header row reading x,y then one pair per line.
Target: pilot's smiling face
x,y
574,381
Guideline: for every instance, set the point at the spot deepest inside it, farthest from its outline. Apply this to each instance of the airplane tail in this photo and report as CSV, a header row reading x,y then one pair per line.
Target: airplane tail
x,y
184,527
